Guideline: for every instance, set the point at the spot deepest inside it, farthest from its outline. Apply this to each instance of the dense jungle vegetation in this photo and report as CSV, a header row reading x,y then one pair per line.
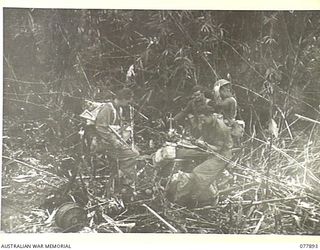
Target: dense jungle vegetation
x,y
54,59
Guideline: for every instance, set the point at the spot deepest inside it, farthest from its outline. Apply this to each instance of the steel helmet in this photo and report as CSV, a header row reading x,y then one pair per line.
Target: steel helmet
x,y
218,84
221,83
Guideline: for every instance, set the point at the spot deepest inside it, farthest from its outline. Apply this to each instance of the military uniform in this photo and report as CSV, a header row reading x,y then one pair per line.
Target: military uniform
x,y
228,107
191,113
197,185
217,134
110,117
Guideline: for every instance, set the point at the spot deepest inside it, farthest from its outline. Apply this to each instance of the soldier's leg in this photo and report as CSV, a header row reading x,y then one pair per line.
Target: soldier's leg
x,y
181,184
127,159
205,174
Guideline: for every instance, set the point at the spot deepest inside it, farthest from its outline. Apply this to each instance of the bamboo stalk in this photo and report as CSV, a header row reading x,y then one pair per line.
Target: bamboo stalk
x,y
307,119
312,176
286,123
30,166
305,164
172,229
96,177
112,222
255,231
271,200
228,190
27,102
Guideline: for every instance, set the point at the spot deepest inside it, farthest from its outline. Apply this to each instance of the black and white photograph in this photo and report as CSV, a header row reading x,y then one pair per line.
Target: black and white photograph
x,y
161,121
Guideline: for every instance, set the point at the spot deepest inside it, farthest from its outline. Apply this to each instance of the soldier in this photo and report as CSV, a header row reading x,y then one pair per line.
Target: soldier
x,y
108,126
190,112
226,104
216,141
217,138
225,101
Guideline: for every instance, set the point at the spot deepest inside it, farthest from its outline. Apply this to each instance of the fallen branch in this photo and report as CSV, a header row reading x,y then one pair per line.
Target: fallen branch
x,y
27,102
30,166
172,229
112,222
307,119
105,177
255,231
26,82
228,190
271,200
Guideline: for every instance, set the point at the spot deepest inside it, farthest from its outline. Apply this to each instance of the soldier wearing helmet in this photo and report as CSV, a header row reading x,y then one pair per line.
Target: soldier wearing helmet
x,y
109,128
200,184
225,102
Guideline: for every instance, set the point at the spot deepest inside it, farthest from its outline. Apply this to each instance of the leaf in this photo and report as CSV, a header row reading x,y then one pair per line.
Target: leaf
x,y
305,205
27,218
177,98
20,180
297,220
273,128
130,72
32,160
91,223
23,177
111,221
87,230
91,214
127,225
39,213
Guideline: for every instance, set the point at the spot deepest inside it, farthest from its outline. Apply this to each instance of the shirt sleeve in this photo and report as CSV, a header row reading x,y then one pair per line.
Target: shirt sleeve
x,y
229,107
183,113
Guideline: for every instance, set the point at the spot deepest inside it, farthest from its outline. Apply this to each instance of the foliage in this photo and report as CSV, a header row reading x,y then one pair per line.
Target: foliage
x,y
81,52
56,58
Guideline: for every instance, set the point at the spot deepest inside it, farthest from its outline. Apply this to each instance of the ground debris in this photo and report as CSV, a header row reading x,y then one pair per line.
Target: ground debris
x,y
35,186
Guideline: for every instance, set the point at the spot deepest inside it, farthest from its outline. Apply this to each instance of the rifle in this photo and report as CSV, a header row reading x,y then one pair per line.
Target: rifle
x,y
116,134
205,147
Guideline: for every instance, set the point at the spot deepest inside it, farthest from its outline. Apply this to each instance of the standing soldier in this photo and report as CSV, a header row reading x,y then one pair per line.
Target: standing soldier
x,y
110,130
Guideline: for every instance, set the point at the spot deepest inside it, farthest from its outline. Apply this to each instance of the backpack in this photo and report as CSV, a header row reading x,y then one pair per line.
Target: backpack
x,y
90,114
237,128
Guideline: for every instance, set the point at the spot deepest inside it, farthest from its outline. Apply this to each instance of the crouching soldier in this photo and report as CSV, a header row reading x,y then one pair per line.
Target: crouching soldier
x,y
216,140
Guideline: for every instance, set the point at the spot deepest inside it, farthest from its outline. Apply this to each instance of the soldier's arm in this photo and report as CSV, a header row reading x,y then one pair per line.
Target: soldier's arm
x,y
230,101
202,144
216,147
182,114
229,104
